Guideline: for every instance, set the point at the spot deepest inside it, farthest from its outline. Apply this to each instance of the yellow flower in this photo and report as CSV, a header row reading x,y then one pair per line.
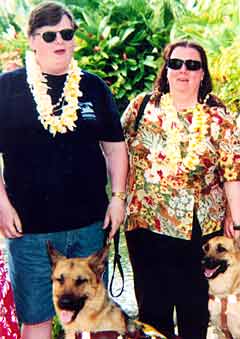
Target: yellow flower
x,y
173,128
230,174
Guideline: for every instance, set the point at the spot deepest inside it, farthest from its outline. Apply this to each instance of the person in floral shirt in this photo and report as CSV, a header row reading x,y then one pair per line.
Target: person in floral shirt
x,y
9,328
184,168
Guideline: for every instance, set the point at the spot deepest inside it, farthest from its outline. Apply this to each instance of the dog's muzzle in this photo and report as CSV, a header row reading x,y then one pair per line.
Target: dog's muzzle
x,y
70,306
213,267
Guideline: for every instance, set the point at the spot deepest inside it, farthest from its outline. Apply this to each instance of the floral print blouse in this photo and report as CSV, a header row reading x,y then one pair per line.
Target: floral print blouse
x,y
9,328
162,198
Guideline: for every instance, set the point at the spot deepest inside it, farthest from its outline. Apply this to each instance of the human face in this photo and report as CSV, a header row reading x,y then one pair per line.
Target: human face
x,y
184,81
53,57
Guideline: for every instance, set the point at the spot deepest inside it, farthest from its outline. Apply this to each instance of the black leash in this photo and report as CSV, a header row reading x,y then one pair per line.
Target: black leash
x,y
117,263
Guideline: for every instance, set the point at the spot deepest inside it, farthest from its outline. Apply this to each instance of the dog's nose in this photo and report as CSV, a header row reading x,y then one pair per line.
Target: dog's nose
x,y
207,261
66,301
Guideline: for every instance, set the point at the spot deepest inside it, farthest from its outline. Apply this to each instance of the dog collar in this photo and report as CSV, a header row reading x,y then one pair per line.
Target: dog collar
x,y
231,298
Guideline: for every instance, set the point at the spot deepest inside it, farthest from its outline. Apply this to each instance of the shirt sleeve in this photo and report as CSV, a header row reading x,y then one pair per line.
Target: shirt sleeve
x,y
129,116
229,147
111,126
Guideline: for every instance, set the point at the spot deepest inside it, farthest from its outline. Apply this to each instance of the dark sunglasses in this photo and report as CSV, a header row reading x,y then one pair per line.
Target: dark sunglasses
x,y
50,36
191,65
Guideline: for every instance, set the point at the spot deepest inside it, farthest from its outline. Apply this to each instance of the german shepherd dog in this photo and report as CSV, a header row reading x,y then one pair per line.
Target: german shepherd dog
x,y
81,300
221,265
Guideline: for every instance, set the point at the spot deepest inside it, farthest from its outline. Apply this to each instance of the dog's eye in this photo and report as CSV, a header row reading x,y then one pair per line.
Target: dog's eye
x,y
60,279
206,248
221,249
80,281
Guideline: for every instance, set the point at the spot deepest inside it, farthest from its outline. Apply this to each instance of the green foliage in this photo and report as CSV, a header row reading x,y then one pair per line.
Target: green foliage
x,y
216,26
57,330
13,14
121,42
12,26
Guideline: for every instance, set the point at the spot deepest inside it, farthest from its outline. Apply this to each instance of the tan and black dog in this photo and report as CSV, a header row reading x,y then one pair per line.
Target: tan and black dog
x,y
221,265
81,300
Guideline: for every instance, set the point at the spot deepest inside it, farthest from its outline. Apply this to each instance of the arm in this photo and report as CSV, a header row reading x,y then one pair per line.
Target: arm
x,y
10,224
232,190
117,164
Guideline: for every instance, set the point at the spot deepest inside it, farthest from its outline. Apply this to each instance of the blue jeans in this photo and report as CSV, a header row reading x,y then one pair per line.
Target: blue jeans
x,y
30,268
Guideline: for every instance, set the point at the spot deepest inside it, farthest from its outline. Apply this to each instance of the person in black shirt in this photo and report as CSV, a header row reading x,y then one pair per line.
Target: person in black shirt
x,y
59,135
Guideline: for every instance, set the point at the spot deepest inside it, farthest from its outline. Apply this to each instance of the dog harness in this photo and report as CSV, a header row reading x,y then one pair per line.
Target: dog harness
x,y
114,335
224,302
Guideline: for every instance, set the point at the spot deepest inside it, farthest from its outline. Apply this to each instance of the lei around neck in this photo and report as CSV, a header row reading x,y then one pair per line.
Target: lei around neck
x,y
197,134
67,103
167,157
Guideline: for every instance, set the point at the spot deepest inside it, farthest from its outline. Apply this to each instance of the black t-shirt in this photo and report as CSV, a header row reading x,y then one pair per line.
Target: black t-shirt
x,y
56,183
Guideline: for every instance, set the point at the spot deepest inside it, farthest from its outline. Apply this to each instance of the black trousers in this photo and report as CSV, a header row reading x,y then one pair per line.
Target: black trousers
x,y
167,274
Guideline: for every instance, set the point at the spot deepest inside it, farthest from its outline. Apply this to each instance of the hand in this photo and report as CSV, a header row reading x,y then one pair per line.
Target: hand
x,y
229,229
114,215
10,223
228,226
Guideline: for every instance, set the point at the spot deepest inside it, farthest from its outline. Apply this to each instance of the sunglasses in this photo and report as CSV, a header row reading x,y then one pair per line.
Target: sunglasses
x,y
191,65
50,36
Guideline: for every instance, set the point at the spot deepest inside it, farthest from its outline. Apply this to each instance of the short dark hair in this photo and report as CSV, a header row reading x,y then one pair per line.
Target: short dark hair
x,y
48,14
161,85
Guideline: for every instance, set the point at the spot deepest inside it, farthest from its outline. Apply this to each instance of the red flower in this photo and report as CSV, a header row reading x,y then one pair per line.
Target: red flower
x,y
158,224
149,200
217,118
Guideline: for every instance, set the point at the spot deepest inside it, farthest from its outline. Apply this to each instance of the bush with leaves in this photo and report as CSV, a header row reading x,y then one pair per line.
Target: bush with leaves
x,y
122,42
216,26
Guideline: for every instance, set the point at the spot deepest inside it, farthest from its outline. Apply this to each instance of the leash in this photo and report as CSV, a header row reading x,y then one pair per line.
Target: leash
x,y
141,111
117,263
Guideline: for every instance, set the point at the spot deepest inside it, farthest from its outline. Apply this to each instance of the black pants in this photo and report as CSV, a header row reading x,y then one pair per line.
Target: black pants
x,y
167,274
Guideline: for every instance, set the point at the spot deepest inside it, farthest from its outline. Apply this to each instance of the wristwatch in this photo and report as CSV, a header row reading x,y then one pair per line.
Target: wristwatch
x,y
120,195
236,227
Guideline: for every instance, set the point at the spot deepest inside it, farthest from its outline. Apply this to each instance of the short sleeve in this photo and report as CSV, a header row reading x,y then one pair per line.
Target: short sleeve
x,y
111,126
229,149
129,116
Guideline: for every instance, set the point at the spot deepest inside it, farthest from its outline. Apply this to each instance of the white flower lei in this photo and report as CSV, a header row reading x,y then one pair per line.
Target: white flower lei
x,y
38,86
197,136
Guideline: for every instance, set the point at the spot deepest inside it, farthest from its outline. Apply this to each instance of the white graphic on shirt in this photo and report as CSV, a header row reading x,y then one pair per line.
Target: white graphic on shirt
x,y
87,110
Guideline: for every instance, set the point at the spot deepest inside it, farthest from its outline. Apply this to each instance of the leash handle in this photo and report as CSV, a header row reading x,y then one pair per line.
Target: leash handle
x,y
117,263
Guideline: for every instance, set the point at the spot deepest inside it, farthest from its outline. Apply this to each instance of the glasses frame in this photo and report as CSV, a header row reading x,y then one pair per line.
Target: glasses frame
x,y
191,65
53,35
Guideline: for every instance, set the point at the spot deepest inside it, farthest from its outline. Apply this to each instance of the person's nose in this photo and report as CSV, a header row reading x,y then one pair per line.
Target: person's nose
x,y
59,38
183,68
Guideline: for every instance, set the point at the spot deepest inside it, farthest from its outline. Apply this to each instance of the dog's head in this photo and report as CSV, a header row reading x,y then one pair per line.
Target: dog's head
x,y
220,254
75,281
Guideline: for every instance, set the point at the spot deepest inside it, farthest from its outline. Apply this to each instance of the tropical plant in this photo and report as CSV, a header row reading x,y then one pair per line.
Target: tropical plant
x,y
13,41
122,43
216,26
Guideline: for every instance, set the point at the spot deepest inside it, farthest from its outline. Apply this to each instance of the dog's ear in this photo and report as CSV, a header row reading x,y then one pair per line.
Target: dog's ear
x,y
54,255
98,260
